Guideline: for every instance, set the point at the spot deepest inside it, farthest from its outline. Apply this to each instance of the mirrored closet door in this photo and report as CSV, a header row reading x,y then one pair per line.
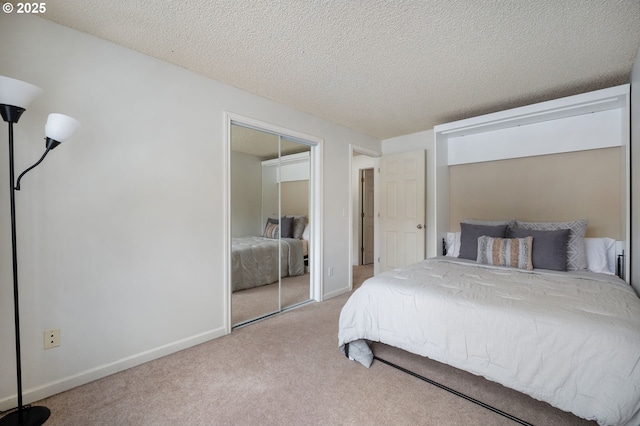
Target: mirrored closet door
x,y
270,200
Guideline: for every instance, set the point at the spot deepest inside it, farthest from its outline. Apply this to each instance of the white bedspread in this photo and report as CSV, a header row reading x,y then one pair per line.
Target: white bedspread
x,y
563,338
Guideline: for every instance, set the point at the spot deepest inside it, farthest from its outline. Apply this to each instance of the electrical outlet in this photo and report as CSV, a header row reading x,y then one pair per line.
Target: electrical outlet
x,y
52,338
330,271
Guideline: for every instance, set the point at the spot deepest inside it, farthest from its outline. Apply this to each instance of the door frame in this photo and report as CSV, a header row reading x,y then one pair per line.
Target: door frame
x,y
315,207
353,194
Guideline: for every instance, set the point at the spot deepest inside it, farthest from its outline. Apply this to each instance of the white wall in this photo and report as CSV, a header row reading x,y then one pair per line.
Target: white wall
x,y
412,142
635,174
246,195
270,206
121,230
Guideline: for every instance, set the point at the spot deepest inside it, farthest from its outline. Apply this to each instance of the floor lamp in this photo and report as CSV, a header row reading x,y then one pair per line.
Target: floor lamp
x,y
15,96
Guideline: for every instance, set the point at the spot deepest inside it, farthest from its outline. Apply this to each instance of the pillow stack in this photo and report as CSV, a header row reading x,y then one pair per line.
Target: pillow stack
x,y
558,246
285,227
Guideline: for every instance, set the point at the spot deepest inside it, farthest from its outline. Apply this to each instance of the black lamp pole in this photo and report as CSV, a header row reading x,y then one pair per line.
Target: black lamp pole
x,y
15,96
25,415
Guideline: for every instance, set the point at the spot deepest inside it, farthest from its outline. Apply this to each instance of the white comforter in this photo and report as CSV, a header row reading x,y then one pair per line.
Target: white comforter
x,y
570,339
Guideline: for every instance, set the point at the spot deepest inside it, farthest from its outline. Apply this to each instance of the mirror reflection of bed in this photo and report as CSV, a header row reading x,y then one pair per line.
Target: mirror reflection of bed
x,y
270,187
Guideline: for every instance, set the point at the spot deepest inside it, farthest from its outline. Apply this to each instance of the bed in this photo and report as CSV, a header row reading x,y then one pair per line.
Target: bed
x,y
262,260
567,337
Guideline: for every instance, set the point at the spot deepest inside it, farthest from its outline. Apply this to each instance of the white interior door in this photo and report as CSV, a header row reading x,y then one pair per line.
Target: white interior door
x,y
402,209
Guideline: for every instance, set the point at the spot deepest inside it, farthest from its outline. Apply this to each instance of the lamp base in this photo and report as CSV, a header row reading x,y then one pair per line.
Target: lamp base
x,y
31,416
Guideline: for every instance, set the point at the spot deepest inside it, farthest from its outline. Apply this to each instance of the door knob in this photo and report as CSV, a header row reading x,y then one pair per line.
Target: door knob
x,y
419,226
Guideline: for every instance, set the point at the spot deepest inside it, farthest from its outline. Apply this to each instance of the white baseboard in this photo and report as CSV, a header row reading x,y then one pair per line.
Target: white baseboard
x,y
335,293
48,389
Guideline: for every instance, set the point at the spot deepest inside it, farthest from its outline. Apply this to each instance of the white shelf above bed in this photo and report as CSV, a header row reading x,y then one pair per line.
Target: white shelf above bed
x,y
575,123
585,103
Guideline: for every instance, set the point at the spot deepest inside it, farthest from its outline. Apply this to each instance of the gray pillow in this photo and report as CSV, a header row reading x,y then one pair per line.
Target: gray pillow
x,y
272,220
549,249
510,222
469,234
298,226
576,254
358,350
286,227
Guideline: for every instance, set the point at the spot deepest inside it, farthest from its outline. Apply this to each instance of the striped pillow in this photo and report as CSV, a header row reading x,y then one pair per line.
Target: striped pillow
x,y
513,252
272,230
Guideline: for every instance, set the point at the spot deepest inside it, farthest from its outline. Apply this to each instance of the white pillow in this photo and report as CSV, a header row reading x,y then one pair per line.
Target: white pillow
x,y
453,244
601,255
305,233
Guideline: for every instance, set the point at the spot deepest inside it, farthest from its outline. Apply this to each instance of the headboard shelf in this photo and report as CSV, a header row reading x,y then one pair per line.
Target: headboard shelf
x,y
600,100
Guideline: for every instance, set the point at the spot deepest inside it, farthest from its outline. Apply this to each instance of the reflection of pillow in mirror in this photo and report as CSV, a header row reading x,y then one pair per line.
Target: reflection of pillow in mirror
x,y
285,222
286,227
299,223
272,220
272,230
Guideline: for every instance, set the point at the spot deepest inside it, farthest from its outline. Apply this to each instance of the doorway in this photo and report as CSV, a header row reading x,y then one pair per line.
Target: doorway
x,y
364,207
272,220
366,217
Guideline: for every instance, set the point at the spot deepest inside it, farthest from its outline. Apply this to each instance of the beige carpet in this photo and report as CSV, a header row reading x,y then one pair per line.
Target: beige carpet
x,y
287,370
255,302
247,305
361,273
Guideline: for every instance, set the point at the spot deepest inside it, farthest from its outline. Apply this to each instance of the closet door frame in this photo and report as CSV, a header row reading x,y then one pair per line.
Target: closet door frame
x,y
315,207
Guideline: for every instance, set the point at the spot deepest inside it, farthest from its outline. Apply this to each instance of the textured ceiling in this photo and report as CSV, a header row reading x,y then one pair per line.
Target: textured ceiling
x,y
384,68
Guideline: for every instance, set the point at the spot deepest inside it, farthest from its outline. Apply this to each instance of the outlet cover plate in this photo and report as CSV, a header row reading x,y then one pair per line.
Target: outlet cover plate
x,y
52,338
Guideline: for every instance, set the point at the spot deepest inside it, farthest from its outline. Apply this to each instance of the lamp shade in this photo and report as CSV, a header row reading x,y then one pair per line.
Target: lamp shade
x,y
17,93
60,127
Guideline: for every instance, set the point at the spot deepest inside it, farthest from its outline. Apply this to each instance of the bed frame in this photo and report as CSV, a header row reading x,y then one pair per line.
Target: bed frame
x,y
447,389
